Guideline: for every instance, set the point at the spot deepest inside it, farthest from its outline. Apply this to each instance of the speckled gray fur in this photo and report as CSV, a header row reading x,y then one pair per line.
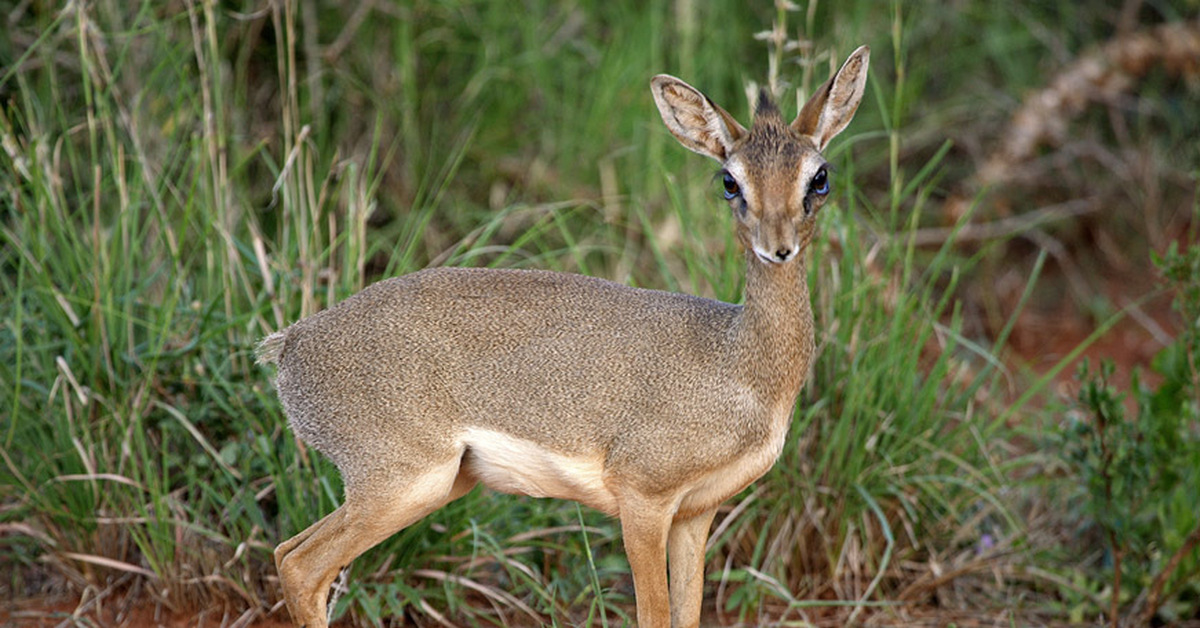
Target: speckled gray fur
x,y
575,363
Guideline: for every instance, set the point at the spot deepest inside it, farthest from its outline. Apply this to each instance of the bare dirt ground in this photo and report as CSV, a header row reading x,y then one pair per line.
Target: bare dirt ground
x,y
124,612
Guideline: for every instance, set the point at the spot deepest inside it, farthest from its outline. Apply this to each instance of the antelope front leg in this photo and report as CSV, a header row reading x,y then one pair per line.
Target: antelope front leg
x,y
686,544
644,526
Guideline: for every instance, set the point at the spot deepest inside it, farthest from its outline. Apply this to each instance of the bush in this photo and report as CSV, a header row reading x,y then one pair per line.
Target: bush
x,y
1137,473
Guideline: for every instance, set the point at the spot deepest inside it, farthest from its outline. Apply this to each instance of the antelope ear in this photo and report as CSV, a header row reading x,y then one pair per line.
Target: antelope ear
x,y
698,123
833,106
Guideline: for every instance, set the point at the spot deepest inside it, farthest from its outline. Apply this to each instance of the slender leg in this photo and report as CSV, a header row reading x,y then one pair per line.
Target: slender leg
x,y
686,546
644,525
372,512
462,485
305,586
282,550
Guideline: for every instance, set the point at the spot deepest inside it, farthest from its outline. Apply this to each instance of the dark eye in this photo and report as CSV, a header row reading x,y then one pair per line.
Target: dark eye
x,y
819,184
731,187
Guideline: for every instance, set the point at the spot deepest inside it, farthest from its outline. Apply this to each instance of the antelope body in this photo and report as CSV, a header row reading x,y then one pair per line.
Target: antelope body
x,y
650,406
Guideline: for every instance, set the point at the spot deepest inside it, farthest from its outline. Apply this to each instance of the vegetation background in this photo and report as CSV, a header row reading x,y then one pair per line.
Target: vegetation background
x,y
1018,190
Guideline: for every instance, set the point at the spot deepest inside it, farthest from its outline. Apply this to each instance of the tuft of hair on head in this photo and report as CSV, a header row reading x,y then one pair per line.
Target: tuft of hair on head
x,y
765,104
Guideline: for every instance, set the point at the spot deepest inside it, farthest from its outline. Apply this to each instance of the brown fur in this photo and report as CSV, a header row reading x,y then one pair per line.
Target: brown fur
x,y
652,406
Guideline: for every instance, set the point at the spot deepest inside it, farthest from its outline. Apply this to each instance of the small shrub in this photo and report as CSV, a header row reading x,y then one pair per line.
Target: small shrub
x,y
1137,473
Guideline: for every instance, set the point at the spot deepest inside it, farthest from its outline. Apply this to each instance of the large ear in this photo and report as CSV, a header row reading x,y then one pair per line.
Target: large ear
x,y
833,106
698,123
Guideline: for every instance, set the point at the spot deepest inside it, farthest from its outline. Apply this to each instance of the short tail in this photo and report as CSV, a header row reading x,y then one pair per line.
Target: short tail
x,y
270,349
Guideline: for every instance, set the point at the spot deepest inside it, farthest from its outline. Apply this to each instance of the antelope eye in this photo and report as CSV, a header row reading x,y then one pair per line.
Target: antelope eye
x,y
820,183
731,187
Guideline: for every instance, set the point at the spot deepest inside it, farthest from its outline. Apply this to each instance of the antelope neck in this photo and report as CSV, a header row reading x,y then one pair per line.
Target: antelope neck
x,y
776,321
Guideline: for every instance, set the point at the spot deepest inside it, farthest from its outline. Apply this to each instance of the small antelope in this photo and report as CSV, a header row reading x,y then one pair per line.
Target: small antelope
x,y
650,406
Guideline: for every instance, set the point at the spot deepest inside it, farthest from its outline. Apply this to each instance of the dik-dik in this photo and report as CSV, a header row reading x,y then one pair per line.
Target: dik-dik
x,y
650,406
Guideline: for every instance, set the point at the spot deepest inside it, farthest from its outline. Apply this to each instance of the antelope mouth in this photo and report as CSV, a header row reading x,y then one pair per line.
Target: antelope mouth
x,y
775,259
766,259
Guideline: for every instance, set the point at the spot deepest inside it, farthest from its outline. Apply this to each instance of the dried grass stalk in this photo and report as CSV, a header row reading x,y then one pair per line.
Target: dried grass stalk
x,y
1102,74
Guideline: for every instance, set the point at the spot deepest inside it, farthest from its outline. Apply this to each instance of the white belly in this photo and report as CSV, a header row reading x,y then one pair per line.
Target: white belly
x,y
521,467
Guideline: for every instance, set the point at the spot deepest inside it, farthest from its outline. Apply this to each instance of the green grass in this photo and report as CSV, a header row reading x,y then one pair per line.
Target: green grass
x,y
180,180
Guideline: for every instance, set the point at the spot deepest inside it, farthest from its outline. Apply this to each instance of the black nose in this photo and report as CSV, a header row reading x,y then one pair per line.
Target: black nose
x,y
782,254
